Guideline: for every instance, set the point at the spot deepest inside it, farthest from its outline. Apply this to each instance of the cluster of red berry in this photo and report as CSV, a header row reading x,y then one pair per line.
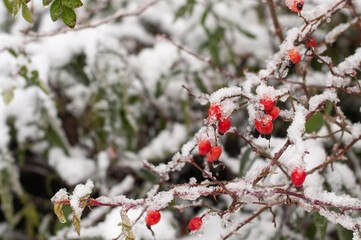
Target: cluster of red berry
x,y
215,114
153,217
269,114
204,146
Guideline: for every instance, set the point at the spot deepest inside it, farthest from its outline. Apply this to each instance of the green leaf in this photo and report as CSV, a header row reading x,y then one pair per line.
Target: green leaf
x,y
8,95
76,223
56,9
72,3
54,138
343,233
314,123
12,52
8,5
25,11
245,32
321,225
16,7
126,226
329,107
58,210
6,198
69,17
46,2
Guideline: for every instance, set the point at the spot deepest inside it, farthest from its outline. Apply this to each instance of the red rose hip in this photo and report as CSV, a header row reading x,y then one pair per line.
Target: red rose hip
x,y
224,125
294,55
267,103
204,146
295,5
298,176
214,154
274,112
195,224
215,112
153,217
311,42
265,126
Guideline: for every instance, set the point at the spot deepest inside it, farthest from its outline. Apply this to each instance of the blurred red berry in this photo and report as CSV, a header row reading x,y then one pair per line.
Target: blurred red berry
x,y
294,55
298,176
215,112
311,42
204,146
195,224
295,5
267,103
214,154
274,112
153,217
265,126
224,125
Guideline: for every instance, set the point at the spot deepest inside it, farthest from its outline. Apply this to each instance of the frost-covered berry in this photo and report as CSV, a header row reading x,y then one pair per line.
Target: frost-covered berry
x,y
294,55
195,224
224,125
267,103
274,112
311,42
214,154
298,176
215,112
295,5
265,126
153,217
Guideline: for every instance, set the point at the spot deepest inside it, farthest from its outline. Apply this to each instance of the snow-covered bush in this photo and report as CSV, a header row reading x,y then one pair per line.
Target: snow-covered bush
x,y
239,118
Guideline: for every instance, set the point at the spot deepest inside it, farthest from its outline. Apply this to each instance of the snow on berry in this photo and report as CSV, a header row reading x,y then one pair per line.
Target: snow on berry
x,y
204,146
215,112
294,55
265,126
214,154
153,217
195,224
224,125
274,112
267,103
298,176
295,5
311,42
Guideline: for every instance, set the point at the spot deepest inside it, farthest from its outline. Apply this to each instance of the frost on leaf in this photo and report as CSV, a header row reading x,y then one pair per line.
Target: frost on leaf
x,y
57,200
126,225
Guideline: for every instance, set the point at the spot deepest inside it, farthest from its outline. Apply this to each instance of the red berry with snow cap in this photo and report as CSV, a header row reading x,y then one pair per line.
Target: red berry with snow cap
x,y
274,112
195,224
204,146
267,103
295,5
224,125
215,112
294,55
153,217
298,176
265,126
214,154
